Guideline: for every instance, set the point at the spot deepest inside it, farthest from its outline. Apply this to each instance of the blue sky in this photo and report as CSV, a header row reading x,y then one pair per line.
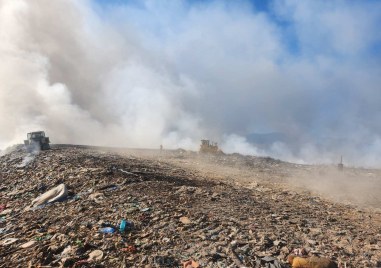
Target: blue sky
x,y
281,13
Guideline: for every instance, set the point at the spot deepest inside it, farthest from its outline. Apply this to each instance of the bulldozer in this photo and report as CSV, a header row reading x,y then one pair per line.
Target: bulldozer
x,y
208,147
37,141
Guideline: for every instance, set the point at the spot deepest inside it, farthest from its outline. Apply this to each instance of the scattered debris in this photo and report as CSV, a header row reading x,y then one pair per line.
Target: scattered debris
x,y
156,214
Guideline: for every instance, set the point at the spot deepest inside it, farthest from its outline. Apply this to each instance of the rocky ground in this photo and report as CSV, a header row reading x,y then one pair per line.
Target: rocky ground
x,y
220,211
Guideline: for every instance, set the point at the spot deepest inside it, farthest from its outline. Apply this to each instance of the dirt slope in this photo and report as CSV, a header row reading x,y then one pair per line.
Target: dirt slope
x,y
177,210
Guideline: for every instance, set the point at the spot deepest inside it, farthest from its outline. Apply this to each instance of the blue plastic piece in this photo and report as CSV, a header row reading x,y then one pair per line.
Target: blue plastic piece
x,y
125,226
107,230
122,226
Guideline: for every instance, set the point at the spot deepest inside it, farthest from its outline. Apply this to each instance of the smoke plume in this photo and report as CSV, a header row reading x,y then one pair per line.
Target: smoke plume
x,y
145,73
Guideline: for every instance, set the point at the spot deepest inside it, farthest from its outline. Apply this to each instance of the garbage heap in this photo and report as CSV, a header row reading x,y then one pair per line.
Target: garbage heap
x,y
81,207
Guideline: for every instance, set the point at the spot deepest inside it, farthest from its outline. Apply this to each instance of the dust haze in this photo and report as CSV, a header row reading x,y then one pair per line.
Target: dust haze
x,y
359,187
146,73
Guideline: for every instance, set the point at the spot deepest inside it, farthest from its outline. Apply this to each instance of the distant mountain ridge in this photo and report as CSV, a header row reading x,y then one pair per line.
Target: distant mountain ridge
x,y
267,139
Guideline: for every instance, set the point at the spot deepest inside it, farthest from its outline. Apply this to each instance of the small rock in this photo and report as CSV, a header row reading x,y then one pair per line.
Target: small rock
x,y
185,220
311,242
95,255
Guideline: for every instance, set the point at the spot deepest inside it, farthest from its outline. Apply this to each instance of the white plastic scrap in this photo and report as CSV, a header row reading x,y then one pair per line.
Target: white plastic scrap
x,y
50,196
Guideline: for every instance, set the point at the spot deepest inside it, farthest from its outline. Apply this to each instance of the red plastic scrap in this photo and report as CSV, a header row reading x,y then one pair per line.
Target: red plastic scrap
x,y
130,249
2,207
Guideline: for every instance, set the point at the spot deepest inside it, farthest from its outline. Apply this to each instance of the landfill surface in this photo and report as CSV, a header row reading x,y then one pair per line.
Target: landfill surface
x,y
163,208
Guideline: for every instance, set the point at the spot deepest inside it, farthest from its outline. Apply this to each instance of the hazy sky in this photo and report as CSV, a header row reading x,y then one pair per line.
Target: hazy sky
x,y
145,73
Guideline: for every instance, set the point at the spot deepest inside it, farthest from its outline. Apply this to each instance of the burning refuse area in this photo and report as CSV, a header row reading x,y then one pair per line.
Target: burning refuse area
x,y
77,206
252,80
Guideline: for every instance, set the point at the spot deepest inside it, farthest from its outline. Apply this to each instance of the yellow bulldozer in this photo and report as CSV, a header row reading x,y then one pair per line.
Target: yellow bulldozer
x,y
209,147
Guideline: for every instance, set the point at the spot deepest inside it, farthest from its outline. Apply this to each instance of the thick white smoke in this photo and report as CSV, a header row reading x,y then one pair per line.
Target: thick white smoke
x,y
84,81
145,73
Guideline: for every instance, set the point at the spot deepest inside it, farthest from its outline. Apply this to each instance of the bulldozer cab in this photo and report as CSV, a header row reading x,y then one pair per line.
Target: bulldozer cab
x,y
36,135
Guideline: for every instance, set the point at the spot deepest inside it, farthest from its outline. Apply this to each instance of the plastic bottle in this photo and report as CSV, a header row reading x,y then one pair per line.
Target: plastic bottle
x,y
122,226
